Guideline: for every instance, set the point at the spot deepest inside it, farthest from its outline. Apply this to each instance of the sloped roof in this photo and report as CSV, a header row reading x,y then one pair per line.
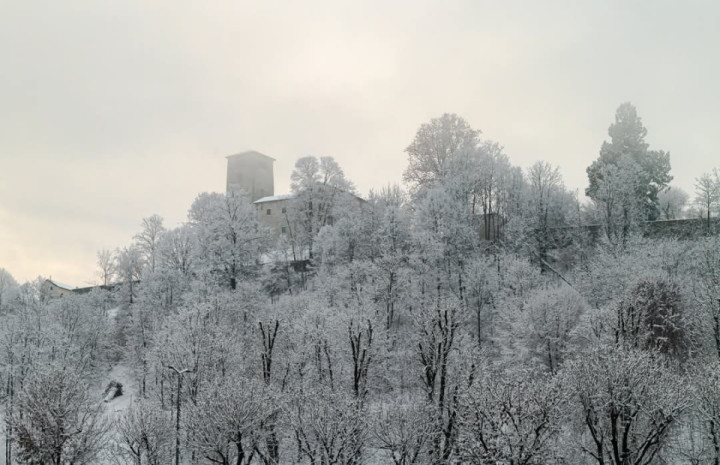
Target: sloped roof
x,y
250,153
274,198
61,285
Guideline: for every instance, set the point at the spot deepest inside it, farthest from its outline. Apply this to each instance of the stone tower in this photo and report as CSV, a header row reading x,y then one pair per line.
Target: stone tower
x,y
252,172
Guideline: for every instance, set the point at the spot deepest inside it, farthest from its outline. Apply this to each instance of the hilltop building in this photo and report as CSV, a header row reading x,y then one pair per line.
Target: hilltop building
x,y
272,212
52,289
252,172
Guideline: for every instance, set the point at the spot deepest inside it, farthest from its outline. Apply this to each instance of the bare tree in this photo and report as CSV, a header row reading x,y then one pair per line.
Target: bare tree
x,y
438,329
401,428
144,431
627,401
671,202
128,268
707,193
57,422
8,286
227,421
106,266
511,416
328,428
433,148
148,239
230,238
177,248
317,184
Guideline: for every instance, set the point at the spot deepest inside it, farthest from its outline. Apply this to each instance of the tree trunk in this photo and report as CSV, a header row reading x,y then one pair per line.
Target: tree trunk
x,y
177,421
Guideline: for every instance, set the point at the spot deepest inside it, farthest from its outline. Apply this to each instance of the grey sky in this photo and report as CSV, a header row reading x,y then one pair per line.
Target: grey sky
x,y
114,110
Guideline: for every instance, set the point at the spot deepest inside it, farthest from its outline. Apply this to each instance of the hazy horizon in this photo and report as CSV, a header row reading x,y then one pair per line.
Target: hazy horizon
x,y
112,112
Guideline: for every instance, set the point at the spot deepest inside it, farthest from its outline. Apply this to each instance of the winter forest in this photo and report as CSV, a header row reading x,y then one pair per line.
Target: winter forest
x,y
476,313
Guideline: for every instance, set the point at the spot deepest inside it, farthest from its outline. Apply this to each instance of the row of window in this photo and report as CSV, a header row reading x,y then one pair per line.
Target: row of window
x,y
269,210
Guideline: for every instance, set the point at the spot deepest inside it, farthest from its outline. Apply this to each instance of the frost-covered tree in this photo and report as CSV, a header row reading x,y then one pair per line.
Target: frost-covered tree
x,y
431,152
671,202
328,427
627,142
706,295
129,264
707,194
56,420
651,316
106,266
511,416
177,249
545,325
317,184
545,203
148,239
625,403
144,434
619,209
230,239
227,421
8,287
401,428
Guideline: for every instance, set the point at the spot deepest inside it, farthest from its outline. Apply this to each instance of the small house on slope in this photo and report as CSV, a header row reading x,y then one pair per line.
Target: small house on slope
x,y
52,289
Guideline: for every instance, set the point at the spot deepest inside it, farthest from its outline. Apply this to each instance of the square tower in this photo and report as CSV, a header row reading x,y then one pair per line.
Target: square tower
x,y
252,172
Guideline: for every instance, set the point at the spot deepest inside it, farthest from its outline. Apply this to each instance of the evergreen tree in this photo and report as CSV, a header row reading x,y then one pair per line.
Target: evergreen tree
x,y
627,141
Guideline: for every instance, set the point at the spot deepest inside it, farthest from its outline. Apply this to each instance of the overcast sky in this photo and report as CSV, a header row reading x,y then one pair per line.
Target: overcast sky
x,y
111,111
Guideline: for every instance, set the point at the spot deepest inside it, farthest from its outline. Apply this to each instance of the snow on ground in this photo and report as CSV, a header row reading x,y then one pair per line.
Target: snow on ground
x,y
122,374
112,313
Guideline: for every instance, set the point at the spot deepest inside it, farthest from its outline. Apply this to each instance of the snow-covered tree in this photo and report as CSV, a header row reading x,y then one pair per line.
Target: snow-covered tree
x,y
317,185
627,142
672,202
8,287
148,239
177,249
230,238
625,402
57,421
511,416
106,266
129,264
707,194
144,435
431,152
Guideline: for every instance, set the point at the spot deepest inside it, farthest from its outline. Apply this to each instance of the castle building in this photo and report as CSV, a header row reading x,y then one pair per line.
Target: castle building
x,y
252,172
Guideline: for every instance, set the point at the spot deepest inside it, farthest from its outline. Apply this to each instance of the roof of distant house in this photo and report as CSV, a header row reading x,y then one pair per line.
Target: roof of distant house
x,y
61,285
250,153
274,198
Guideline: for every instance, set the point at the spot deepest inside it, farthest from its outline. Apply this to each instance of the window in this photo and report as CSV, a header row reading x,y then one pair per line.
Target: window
x,y
269,211
284,210
284,230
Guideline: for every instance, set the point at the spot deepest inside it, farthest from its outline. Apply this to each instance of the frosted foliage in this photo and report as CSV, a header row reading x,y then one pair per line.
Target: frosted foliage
x,y
485,315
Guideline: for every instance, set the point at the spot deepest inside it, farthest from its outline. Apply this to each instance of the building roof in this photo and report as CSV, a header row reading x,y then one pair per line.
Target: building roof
x,y
61,285
250,153
274,198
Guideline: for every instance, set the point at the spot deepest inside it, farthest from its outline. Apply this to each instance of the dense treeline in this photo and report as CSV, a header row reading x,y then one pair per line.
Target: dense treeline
x,y
448,324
